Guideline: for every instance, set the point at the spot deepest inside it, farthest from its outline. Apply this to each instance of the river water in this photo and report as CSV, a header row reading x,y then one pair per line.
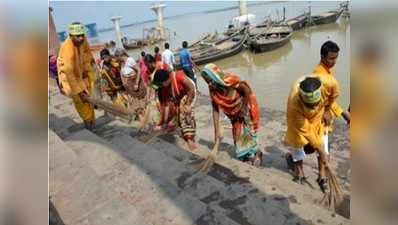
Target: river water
x,y
271,73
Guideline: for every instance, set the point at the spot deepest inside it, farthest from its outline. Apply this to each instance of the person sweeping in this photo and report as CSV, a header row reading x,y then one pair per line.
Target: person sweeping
x,y
76,72
237,100
307,130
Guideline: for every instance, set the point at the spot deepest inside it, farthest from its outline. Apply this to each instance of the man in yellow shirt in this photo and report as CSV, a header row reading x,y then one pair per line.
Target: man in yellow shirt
x,y
306,131
329,54
76,72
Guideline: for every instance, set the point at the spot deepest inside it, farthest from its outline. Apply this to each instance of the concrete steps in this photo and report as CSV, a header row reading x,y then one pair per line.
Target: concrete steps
x,y
264,180
231,179
158,184
136,174
78,193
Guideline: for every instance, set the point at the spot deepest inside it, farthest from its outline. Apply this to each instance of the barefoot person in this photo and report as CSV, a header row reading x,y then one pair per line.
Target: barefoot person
x,y
238,102
177,94
76,72
306,130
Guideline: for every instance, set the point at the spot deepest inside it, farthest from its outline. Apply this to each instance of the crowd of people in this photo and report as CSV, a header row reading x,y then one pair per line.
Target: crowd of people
x,y
133,83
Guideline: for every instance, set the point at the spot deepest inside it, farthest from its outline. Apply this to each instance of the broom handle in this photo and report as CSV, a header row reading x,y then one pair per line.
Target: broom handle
x,y
111,108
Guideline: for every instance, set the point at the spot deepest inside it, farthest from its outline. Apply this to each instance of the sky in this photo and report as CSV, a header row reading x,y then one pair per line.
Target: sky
x,y
100,12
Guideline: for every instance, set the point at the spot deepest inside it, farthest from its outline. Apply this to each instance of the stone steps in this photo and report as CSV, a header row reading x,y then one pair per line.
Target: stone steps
x,y
157,197
232,174
158,182
265,180
79,195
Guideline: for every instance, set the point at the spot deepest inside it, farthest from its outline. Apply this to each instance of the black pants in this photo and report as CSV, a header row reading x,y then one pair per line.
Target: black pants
x,y
309,149
189,72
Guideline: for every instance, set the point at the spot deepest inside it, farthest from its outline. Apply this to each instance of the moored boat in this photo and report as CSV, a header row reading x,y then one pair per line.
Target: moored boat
x,y
298,22
133,43
326,17
218,50
272,39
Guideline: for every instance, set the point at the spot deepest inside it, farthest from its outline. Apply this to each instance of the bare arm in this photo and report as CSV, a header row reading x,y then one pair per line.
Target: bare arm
x,y
216,123
245,92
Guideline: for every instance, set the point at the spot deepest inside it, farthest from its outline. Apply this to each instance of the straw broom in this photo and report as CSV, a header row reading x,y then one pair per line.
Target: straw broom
x,y
204,166
333,196
111,108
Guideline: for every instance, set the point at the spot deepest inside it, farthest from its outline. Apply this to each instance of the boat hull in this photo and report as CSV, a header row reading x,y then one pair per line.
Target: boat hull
x,y
258,47
217,55
318,20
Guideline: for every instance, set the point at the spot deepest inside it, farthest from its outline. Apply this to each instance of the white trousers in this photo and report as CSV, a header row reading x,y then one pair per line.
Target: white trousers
x,y
299,154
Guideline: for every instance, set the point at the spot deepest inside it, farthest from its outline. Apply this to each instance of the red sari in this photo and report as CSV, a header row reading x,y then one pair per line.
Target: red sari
x,y
175,98
231,103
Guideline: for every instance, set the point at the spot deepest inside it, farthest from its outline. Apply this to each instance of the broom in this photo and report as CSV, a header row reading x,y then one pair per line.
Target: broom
x,y
205,165
111,108
333,196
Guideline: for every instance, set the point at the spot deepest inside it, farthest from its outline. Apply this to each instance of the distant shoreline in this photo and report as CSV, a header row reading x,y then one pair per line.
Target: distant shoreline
x,y
185,14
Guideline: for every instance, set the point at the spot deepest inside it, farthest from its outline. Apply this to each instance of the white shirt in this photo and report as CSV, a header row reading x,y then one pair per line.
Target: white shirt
x,y
127,69
168,58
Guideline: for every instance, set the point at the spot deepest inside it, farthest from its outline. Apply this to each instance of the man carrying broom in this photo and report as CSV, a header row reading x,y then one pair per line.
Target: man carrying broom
x,y
307,106
76,72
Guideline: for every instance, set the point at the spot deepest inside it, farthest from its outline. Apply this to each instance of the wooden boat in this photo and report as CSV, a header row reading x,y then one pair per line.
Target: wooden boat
x,y
133,43
273,38
218,50
298,22
326,17
206,38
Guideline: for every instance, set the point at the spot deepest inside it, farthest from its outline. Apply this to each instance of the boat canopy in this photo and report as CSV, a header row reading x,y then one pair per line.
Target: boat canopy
x,y
241,21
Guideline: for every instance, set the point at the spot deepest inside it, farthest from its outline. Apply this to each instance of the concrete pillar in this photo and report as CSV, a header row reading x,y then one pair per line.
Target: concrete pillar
x,y
158,9
52,35
242,7
119,34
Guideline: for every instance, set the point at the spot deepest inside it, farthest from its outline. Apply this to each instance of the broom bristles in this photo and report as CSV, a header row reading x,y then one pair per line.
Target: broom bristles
x,y
334,196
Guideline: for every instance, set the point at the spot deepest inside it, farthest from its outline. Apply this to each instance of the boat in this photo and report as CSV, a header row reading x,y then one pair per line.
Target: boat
x,y
273,38
133,43
206,38
326,17
298,22
210,52
240,22
346,10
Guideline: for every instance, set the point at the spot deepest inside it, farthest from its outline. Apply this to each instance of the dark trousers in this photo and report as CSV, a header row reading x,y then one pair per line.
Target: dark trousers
x,y
189,72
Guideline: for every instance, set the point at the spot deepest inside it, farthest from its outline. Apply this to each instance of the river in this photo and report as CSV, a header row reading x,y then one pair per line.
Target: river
x,y
272,73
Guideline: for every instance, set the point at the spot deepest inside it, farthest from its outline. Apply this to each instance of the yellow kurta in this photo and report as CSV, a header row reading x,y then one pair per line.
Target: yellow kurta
x,y
332,87
304,125
76,74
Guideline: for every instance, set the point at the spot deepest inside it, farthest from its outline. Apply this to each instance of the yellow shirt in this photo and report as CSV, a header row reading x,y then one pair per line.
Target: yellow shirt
x,y
332,87
304,125
72,63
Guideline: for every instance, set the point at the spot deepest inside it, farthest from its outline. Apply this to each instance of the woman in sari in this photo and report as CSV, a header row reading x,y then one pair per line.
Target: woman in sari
x,y
111,82
238,102
133,84
177,95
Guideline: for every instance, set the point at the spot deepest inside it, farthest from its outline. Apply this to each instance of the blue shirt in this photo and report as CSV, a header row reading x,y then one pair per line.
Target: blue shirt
x,y
185,57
